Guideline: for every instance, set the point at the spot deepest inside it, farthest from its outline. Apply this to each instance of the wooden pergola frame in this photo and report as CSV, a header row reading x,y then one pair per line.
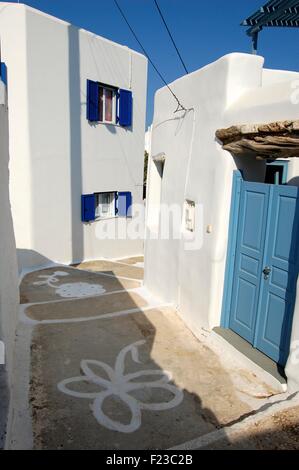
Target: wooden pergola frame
x,y
276,13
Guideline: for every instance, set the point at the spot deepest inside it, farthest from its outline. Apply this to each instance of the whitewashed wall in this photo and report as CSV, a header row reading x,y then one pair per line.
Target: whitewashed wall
x,y
58,155
224,93
196,168
8,261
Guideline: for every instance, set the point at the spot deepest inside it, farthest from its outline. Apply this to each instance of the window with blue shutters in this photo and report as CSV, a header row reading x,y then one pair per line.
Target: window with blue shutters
x,y
124,204
88,207
125,108
105,205
3,73
108,104
93,96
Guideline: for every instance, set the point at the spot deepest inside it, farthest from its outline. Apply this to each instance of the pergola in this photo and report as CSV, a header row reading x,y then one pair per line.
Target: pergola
x,y
276,13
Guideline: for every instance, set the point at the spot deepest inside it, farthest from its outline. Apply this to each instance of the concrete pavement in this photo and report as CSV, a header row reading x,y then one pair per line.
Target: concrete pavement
x,y
109,367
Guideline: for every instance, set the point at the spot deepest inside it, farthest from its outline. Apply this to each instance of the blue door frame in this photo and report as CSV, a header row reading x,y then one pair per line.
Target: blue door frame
x,y
231,248
284,165
260,308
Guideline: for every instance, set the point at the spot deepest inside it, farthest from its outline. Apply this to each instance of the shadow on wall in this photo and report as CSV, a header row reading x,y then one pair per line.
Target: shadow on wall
x,y
111,128
60,234
252,169
75,144
28,258
294,181
8,270
291,289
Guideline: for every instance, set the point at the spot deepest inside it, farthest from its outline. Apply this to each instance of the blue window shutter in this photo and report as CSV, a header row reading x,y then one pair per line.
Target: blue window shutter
x,y
93,114
125,204
125,108
88,207
3,73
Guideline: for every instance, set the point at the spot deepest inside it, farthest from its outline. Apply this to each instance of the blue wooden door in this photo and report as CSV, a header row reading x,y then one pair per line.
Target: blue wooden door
x,y
278,287
266,267
249,258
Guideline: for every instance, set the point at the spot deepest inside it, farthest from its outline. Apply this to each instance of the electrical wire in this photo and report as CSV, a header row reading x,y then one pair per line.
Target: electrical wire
x,y
180,106
171,37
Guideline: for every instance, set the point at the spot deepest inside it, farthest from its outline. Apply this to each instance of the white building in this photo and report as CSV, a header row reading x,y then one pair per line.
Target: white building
x,y
147,143
207,272
9,292
76,121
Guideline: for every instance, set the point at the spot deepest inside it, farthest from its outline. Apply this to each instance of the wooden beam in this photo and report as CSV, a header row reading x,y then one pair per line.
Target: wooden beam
x,y
278,139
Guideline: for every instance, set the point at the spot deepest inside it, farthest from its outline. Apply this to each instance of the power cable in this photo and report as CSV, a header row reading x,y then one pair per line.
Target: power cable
x,y
180,106
171,37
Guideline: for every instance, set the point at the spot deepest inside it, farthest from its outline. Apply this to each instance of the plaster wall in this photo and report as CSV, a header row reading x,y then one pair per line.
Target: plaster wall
x,y
8,264
65,156
277,101
227,92
197,169
14,54
275,76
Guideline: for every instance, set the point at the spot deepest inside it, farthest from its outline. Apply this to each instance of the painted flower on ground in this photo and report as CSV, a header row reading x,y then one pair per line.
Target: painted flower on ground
x,y
122,386
79,289
50,279
71,290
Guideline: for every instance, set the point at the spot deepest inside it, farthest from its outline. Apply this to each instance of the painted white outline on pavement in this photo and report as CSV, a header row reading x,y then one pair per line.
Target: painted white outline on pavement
x,y
73,290
47,267
134,265
100,273
120,385
28,320
62,300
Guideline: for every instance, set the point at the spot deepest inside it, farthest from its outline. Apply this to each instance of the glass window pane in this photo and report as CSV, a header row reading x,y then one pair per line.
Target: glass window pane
x,y
108,105
105,205
98,206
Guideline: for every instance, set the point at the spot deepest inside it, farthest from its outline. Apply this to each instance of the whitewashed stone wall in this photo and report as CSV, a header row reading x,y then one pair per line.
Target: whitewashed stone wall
x,y
8,268
233,90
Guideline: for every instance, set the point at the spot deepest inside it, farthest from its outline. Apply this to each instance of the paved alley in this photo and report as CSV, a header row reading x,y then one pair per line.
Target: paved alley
x,y
103,365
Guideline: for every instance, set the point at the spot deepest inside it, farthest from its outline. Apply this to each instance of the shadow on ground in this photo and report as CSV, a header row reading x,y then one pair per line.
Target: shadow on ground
x,y
279,431
103,378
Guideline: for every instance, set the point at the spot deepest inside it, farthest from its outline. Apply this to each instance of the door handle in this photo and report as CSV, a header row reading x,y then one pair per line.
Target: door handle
x,y
267,271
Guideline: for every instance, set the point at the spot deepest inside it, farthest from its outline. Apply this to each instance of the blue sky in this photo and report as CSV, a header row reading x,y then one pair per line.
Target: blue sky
x,y
203,30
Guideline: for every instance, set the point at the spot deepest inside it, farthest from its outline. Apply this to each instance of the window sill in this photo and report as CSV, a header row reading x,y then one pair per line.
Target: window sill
x,y
114,124
104,123
101,219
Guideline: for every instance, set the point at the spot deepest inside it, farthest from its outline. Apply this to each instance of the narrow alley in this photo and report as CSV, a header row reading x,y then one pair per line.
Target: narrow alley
x,y
103,365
